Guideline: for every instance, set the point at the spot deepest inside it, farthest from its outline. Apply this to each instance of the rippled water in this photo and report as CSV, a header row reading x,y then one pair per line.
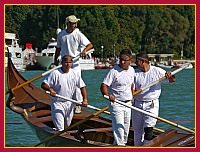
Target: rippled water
x,y
177,102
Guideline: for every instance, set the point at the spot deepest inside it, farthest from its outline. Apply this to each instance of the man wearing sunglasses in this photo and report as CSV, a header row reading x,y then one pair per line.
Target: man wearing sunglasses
x,y
119,81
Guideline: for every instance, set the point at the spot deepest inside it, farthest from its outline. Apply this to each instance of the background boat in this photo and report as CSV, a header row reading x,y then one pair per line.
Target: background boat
x,y
103,65
190,66
161,65
14,51
46,58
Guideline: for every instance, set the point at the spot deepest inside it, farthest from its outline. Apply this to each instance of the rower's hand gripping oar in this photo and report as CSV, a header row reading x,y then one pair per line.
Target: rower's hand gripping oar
x,y
43,74
161,79
73,125
150,114
77,102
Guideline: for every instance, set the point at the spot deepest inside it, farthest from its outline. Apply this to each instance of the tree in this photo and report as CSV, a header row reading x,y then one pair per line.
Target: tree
x,y
147,28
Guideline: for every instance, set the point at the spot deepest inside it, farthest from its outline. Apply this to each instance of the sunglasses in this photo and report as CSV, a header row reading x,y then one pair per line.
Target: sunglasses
x,y
124,59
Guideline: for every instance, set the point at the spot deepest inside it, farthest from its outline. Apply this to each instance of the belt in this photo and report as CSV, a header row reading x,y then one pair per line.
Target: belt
x,y
152,102
126,101
145,101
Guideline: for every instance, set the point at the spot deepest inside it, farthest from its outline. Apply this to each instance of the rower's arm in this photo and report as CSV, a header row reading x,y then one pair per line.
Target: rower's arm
x,y
48,88
84,94
57,53
88,47
104,89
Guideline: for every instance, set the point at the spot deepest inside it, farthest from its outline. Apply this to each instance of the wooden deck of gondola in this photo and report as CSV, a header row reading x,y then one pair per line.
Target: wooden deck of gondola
x,y
171,138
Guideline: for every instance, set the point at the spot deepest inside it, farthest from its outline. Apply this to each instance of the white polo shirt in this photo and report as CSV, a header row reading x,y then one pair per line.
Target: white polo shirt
x,y
64,84
142,79
72,43
119,82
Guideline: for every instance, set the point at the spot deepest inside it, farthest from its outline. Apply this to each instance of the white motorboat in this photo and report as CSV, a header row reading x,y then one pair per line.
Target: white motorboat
x,y
13,51
87,63
164,65
46,58
190,66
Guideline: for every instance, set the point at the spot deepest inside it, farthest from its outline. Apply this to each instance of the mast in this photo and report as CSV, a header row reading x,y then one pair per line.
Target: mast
x,y
57,14
182,52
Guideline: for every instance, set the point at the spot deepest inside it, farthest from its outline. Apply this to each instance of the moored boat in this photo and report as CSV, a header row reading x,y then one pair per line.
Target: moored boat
x,y
46,58
14,51
190,66
161,65
101,65
33,104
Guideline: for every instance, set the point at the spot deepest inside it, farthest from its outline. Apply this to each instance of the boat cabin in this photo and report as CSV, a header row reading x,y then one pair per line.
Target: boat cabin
x,y
165,59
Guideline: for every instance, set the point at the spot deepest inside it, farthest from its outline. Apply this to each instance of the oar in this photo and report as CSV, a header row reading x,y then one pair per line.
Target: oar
x,y
43,74
180,120
16,123
72,126
77,102
161,79
151,115
89,106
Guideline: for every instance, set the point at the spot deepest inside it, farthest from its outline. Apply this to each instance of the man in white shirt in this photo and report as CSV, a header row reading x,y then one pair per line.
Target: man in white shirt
x,y
72,42
64,81
147,100
120,80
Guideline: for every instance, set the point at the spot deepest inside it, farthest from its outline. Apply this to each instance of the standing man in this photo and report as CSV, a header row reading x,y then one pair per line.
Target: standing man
x,y
147,100
64,81
120,80
72,42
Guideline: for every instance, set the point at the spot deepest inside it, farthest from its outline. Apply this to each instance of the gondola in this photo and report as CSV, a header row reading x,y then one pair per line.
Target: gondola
x,y
33,104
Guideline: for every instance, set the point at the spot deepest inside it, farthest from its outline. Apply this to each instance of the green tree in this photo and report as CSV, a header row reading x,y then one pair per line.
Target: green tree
x,y
146,28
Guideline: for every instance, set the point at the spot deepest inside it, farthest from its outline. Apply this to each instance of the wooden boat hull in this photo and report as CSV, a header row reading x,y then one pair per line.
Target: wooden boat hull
x,y
66,140
33,104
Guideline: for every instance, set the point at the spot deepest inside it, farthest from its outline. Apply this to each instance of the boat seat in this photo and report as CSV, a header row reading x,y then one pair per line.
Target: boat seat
x,y
157,141
102,121
41,113
35,119
107,129
94,119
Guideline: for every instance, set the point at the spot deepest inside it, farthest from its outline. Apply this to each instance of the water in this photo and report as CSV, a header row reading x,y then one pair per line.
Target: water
x,y
177,102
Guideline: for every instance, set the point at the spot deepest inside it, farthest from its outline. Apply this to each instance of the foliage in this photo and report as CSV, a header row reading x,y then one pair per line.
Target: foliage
x,y
140,28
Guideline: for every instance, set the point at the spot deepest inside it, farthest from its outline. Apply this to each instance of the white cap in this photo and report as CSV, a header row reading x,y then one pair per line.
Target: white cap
x,y
72,19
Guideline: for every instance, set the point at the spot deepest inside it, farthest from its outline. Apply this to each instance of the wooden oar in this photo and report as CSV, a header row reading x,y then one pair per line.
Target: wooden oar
x,y
72,126
151,115
161,79
180,120
43,74
91,107
77,102
16,123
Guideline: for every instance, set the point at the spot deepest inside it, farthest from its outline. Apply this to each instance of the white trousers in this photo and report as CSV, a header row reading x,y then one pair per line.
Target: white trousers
x,y
121,116
62,114
141,121
77,95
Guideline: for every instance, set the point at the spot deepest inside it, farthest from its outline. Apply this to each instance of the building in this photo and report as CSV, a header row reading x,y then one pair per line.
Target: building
x,y
166,59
